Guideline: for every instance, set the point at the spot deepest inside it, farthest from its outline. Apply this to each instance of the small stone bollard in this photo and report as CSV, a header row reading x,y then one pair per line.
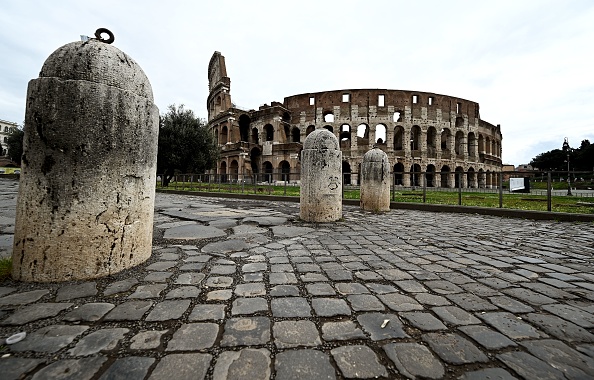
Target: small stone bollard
x,y
375,181
321,178
87,187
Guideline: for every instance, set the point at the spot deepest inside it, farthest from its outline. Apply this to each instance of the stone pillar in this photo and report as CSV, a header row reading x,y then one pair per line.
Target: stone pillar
x,y
375,181
87,188
321,178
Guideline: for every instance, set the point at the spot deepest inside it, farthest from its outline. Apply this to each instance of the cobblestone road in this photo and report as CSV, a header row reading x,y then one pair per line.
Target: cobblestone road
x,y
244,290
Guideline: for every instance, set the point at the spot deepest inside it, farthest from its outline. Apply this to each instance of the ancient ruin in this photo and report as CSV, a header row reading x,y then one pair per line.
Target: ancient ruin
x,y
321,186
419,131
375,181
87,188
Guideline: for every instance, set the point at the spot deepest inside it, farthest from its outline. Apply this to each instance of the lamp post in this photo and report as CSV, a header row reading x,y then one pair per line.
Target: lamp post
x,y
567,149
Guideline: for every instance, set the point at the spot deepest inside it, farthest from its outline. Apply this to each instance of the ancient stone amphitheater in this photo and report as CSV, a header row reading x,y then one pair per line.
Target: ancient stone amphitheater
x,y
428,137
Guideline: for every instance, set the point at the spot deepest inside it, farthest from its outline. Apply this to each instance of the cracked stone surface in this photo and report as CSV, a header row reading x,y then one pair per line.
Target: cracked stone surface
x,y
404,294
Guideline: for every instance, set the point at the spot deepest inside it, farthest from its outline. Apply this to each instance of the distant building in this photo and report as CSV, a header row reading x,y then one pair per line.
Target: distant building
x,y
525,168
6,128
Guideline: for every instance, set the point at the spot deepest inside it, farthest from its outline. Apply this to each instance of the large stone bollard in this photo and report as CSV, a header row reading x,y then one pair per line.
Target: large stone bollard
x,y
375,181
321,178
87,188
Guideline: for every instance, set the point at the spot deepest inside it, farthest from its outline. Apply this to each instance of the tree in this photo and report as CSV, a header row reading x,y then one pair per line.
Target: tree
x,y
15,144
185,144
551,160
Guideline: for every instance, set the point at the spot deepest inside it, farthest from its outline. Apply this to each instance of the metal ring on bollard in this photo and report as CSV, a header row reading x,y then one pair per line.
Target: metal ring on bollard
x,y
100,31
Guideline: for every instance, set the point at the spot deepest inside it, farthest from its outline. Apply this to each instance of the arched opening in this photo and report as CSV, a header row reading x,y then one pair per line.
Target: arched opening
x,y
244,127
471,178
363,135
459,143
481,179
380,134
458,177
224,135
287,130
481,144
216,136
346,173
471,145
345,136
396,117
255,157
296,134
415,140
487,145
398,137
398,173
285,169
310,129
223,172
431,142
328,117
269,130
430,175
415,175
459,122
267,171
445,176
255,136
329,127
286,117
445,141
234,171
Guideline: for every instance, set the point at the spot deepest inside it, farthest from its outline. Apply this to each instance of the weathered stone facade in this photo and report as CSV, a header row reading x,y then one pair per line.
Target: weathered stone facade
x,y
419,131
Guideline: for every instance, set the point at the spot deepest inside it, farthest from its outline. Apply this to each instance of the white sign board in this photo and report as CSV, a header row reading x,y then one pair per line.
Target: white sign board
x,y
516,184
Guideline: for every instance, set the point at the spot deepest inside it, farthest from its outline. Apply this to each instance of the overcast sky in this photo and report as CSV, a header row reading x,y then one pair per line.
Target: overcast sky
x,y
529,64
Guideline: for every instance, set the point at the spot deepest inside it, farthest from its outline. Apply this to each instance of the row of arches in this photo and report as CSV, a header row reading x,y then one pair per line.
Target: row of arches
x,y
266,171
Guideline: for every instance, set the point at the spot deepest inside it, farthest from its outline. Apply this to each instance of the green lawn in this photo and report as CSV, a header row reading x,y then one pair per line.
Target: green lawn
x,y
512,201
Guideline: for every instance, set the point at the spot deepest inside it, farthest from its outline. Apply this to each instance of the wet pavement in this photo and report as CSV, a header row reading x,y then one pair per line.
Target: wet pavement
x,y
241,289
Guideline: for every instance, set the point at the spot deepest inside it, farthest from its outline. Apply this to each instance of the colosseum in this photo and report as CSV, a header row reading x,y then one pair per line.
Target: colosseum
x,y
421,132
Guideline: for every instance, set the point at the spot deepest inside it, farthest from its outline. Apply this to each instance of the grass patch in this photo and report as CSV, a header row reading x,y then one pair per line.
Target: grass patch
x,y
5,268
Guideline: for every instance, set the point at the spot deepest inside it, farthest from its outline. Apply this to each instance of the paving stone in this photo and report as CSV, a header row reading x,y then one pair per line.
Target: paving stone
x,y
120,286
13,368
491,340
290,307
443,287
147,340
281,268
250,290
509,325
365,302
290,334
243,306
358,362
423,321
182,367
253,277
372,322
5,290
248,363
223,269
454,349
183,292
129,368
455,316
290,231
161,266
148,291
572,363
35,312
529,296
246,332
487,373
303,365
394,274
560,328
282,278
266,221
192,267
23,298
313,277
550,291
414,360
381,288
168,310
219,295
344,330
97,341
529,367
193,336
511,304
330,307
573,314
399,302
129,311
69,292
192,232
471,302
79,369
339,275
49,338
284,291
351,288
189,278
219,282
89,312
157,277
432,299
367,275
304,268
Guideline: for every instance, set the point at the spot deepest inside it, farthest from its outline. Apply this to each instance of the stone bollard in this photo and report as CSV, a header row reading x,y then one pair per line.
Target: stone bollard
x,y
375,181
321,178
87,188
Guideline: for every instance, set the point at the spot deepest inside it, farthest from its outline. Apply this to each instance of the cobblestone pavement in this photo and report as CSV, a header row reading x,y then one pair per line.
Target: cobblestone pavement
x,y
240,289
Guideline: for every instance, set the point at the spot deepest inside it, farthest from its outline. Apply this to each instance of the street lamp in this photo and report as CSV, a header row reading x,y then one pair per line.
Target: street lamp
x,y
567,149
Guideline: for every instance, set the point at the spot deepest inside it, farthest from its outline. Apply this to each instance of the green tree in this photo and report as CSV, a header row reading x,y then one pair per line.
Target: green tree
x,y
15,144
551,160
185,144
